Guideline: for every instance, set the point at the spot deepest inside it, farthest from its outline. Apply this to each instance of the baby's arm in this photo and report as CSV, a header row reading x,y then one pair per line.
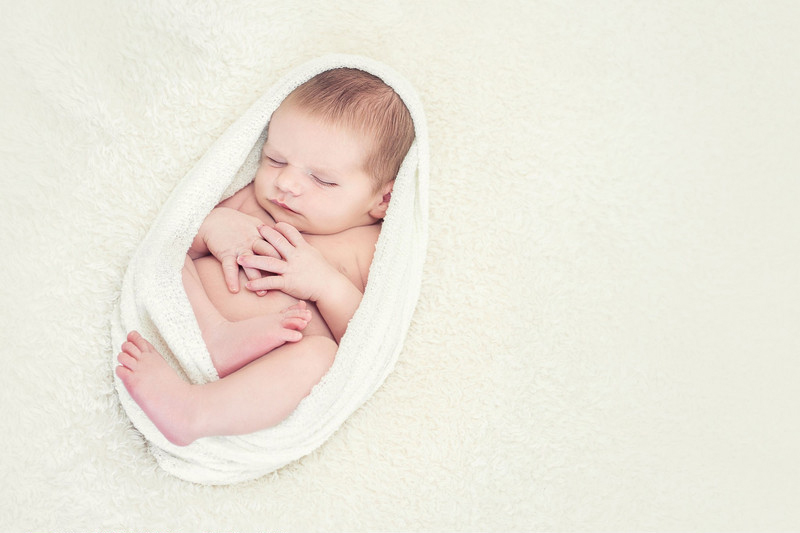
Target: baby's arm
x,y
303,272
338,303
199,247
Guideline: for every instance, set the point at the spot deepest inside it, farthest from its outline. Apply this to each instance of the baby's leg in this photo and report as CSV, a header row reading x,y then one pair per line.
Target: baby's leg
x,y
234,344
258,396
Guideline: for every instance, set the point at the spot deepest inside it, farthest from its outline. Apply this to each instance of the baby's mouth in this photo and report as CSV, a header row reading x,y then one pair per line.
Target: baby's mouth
x,y
283,206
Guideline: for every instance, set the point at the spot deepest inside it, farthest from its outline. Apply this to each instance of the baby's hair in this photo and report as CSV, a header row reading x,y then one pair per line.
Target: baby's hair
x,y
364,103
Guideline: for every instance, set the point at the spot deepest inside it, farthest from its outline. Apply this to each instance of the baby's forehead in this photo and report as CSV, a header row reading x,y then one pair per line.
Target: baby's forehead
x,y
304,139
289,111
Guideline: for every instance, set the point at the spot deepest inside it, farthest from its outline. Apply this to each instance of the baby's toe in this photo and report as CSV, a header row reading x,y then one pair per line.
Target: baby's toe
x,y
131,349
140,342
294,323
126,360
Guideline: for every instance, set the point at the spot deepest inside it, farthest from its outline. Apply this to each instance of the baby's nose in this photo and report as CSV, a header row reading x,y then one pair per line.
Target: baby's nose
x,y
290,180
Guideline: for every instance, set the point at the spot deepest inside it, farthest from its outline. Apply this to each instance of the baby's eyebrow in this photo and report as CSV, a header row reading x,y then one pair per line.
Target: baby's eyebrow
x,y
263,152
267,146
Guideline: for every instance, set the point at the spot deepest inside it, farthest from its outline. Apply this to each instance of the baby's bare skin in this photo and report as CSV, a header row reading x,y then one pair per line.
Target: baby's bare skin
x,y
304,232
282,372
246,304
233,343
350,252
237,404
279,379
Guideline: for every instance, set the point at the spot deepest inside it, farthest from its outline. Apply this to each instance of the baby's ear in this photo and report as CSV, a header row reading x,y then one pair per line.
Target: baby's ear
x,y
379,211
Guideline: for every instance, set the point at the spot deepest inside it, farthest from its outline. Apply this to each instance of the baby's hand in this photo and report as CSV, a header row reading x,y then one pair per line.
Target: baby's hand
x,y
300,271
229,234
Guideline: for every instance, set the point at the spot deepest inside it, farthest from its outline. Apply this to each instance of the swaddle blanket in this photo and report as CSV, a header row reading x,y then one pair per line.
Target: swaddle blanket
x,y
153,301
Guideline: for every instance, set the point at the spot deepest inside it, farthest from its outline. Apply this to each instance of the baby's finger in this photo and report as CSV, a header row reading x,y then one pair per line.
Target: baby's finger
x,y
230,271
263,262
253,273
277,240
267,283
290,232
262,247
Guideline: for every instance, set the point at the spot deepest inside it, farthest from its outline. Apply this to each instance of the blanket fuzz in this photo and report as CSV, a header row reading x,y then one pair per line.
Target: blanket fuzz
x,y
153,301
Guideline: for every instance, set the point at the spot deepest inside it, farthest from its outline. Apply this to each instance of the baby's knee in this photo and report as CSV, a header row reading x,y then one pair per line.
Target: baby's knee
x,y
317,356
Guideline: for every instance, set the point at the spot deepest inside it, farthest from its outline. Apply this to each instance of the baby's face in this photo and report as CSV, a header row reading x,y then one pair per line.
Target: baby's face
x,y
312,175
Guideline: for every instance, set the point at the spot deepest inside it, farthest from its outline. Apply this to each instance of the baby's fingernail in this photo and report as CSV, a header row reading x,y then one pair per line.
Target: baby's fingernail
x,y
262,293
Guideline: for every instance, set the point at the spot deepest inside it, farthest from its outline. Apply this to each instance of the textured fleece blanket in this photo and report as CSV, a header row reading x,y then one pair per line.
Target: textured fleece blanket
x,y
153,300
605,338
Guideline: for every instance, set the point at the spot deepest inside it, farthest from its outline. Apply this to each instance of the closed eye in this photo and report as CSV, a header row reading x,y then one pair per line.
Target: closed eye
x,y
264,158
322,182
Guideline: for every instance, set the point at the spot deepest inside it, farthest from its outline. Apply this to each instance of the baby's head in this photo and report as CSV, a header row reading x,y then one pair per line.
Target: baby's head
x,y
365,105
333,149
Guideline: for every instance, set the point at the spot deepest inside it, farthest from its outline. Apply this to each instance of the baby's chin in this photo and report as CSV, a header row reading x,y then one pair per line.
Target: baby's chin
x,y
296,220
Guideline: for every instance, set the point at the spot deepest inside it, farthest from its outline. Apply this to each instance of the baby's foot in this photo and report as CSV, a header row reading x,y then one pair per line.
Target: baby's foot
x,y
232,345
161,393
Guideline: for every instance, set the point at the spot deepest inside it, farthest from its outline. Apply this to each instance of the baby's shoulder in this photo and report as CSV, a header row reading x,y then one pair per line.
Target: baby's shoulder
x,y
361,241
241,197
351,251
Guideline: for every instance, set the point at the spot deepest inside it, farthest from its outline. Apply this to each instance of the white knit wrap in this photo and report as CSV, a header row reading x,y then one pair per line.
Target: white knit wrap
x,y
153,301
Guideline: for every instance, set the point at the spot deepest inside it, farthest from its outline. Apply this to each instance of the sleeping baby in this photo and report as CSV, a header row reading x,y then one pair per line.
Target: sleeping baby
x,y
299,240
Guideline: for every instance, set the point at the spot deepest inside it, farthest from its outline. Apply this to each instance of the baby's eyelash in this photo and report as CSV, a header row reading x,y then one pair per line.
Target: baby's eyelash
x,y
277,163
322,182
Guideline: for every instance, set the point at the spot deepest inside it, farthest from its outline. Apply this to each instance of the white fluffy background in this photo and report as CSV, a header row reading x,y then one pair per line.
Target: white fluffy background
x,y
607,333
